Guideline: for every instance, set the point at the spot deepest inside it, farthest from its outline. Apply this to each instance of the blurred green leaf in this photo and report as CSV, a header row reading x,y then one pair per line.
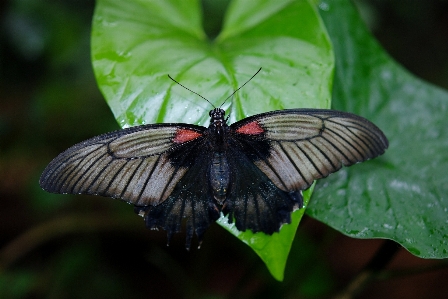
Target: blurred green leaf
x,y
40,28
17,284
403,195
74,272
135,44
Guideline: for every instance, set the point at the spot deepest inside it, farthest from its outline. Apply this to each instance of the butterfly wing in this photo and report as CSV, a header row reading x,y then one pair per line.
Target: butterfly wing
x,y
191,197
130,164
271,158
254,202
290,149
308,144
158,168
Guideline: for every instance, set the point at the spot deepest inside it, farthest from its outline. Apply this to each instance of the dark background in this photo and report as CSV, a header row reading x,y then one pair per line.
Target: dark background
x,y
64,246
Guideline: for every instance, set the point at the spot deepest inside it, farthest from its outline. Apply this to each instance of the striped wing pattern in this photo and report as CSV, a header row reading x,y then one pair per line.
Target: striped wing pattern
x,y
190,200
308,144
130,164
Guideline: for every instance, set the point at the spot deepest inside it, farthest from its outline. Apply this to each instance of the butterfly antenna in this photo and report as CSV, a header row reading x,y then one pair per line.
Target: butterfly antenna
x,y
191,91
240,87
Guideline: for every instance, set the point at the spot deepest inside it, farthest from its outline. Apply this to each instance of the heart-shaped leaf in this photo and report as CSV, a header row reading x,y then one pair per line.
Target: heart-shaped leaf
x,y
135,44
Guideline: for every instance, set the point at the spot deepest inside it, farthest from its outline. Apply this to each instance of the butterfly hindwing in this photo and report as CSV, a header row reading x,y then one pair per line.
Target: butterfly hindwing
x,y
191,197
131,164
308,144
254,202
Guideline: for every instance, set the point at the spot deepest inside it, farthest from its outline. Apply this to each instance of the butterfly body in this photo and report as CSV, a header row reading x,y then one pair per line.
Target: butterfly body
x,y
219,174
253,171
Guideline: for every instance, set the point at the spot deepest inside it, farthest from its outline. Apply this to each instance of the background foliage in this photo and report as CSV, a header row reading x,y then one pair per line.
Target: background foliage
x,y
73,247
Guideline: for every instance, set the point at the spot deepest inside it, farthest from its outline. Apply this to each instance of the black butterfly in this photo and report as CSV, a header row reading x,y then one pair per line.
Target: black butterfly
x,y
253,170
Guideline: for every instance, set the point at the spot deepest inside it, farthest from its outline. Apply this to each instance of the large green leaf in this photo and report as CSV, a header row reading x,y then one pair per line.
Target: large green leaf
x,y
403,195
135,44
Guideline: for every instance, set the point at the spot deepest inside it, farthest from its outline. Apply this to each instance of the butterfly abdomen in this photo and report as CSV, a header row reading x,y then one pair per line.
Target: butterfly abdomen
x,y
219,176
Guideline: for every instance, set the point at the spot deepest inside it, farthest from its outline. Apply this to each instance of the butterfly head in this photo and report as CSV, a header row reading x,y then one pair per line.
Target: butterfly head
x,y
218,125
217,116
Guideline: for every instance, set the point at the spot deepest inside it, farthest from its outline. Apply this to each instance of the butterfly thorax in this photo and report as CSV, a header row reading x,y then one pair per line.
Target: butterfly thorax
x,y
217,128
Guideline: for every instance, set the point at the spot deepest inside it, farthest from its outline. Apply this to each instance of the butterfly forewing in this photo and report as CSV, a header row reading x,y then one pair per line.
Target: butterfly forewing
x,y
131,164
308,144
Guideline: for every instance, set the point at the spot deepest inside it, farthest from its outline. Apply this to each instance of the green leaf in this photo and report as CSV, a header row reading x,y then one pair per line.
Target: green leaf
x,y
273,250
135,44
402,195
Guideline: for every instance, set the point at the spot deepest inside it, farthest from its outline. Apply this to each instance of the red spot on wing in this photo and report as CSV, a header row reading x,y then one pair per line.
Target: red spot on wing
x,y
252,128
184,135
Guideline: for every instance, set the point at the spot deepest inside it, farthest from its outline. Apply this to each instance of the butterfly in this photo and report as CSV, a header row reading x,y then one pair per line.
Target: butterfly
x,y
253,170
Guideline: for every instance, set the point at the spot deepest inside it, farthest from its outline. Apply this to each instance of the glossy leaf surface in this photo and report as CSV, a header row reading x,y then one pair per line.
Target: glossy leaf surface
x,y
135,44
402,195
